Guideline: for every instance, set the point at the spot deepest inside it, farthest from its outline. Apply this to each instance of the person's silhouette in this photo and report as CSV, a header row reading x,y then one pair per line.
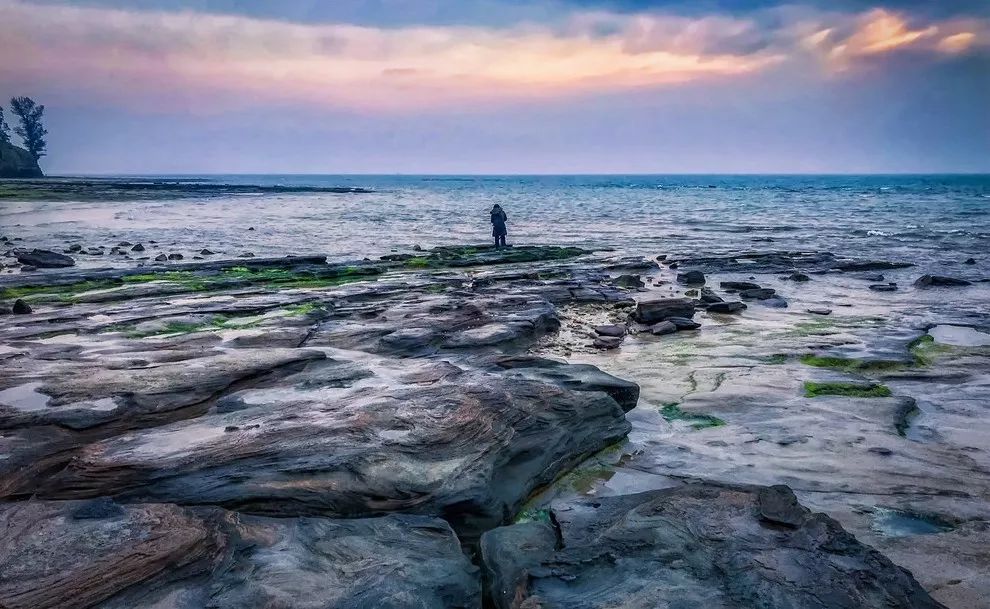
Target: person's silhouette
x,y
498,225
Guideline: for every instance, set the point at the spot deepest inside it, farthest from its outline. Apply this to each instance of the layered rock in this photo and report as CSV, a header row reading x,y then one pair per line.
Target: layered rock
x,y
698,546
69,555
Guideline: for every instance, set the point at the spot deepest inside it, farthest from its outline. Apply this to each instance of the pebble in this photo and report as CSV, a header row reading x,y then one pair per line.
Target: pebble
x,y
20,307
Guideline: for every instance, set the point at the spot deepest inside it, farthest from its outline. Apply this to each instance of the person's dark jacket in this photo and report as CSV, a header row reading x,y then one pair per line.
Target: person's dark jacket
x,y
498,222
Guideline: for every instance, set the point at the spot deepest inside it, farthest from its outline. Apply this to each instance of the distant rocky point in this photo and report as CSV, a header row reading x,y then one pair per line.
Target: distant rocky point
x,y
15,162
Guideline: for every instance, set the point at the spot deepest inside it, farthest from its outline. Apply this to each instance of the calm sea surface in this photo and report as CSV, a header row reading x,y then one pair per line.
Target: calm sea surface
x,y
928,219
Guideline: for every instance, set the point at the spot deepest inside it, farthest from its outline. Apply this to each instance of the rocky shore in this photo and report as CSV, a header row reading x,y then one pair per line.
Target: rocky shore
x,y
438,429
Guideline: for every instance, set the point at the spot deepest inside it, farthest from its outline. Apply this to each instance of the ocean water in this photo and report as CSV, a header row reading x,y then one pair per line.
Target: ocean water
x,y
933,220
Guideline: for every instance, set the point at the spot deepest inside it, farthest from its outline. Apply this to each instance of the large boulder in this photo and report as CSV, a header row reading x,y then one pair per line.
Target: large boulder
x,y
654,310
435,440
700,546
75,555
44,259
15,162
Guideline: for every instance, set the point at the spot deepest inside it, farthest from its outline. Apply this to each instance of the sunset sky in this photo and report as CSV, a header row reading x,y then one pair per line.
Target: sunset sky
x,y
504,86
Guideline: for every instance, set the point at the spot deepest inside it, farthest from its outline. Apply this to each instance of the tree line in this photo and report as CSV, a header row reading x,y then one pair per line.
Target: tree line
x,y
30,127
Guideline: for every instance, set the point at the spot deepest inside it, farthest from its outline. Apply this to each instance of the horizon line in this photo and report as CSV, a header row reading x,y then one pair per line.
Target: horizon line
x,y
510,174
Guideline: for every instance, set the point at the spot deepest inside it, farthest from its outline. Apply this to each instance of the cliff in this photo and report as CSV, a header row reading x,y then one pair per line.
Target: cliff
x,y
15,162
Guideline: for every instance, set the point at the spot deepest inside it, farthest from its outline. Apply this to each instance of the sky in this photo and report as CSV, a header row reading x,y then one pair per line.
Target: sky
x,y
504,86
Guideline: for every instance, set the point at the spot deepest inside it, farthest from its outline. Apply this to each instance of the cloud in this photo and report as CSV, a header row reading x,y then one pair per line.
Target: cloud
x,y
880,32
203,61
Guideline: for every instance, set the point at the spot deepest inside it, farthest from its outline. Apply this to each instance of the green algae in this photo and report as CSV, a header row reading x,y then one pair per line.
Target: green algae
x,y
925,350
473,255
292,278
304,309
533,515
67,291
215,323
57,292
853,390
673,412
418,262
848,363
776,359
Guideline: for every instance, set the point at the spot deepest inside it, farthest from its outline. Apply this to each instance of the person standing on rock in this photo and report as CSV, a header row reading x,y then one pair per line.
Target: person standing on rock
x,y
498,225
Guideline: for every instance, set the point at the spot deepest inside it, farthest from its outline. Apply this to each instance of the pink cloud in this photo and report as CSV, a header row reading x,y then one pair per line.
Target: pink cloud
x,y
158,59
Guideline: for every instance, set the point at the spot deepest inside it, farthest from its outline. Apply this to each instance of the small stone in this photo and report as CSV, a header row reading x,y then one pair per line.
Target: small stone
x,y
726,307
691,278
774,303
739,285
757,293
672,265
230,428
246,255
124,244
608,342
250,228
75,247
628,281
799,277
819,311
175,256
881,450
970,261
417,248
683,323
20,307
708,296
205,252
137,248
28,268
884,287
611,330
663,328
875,277
930,281
161,258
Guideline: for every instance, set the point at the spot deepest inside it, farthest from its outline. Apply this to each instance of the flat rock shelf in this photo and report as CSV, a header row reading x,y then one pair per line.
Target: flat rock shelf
x,y
292,433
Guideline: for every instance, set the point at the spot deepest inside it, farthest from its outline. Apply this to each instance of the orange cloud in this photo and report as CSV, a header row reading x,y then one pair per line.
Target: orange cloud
x,y
879,32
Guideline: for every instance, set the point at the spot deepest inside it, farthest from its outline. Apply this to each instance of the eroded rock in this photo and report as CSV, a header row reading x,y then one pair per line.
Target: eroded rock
x,y
699,546
651,311
69,555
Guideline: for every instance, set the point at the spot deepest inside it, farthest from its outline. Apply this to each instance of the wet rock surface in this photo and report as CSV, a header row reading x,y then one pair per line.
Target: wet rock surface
x,y
305,433
73,554
700,546
43,259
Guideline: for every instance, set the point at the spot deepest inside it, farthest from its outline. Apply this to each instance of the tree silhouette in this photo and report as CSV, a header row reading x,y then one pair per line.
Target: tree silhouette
x,y
4,129
31,130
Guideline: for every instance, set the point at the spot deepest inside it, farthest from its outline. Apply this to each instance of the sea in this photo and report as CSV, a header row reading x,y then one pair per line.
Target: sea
x,y
931,220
